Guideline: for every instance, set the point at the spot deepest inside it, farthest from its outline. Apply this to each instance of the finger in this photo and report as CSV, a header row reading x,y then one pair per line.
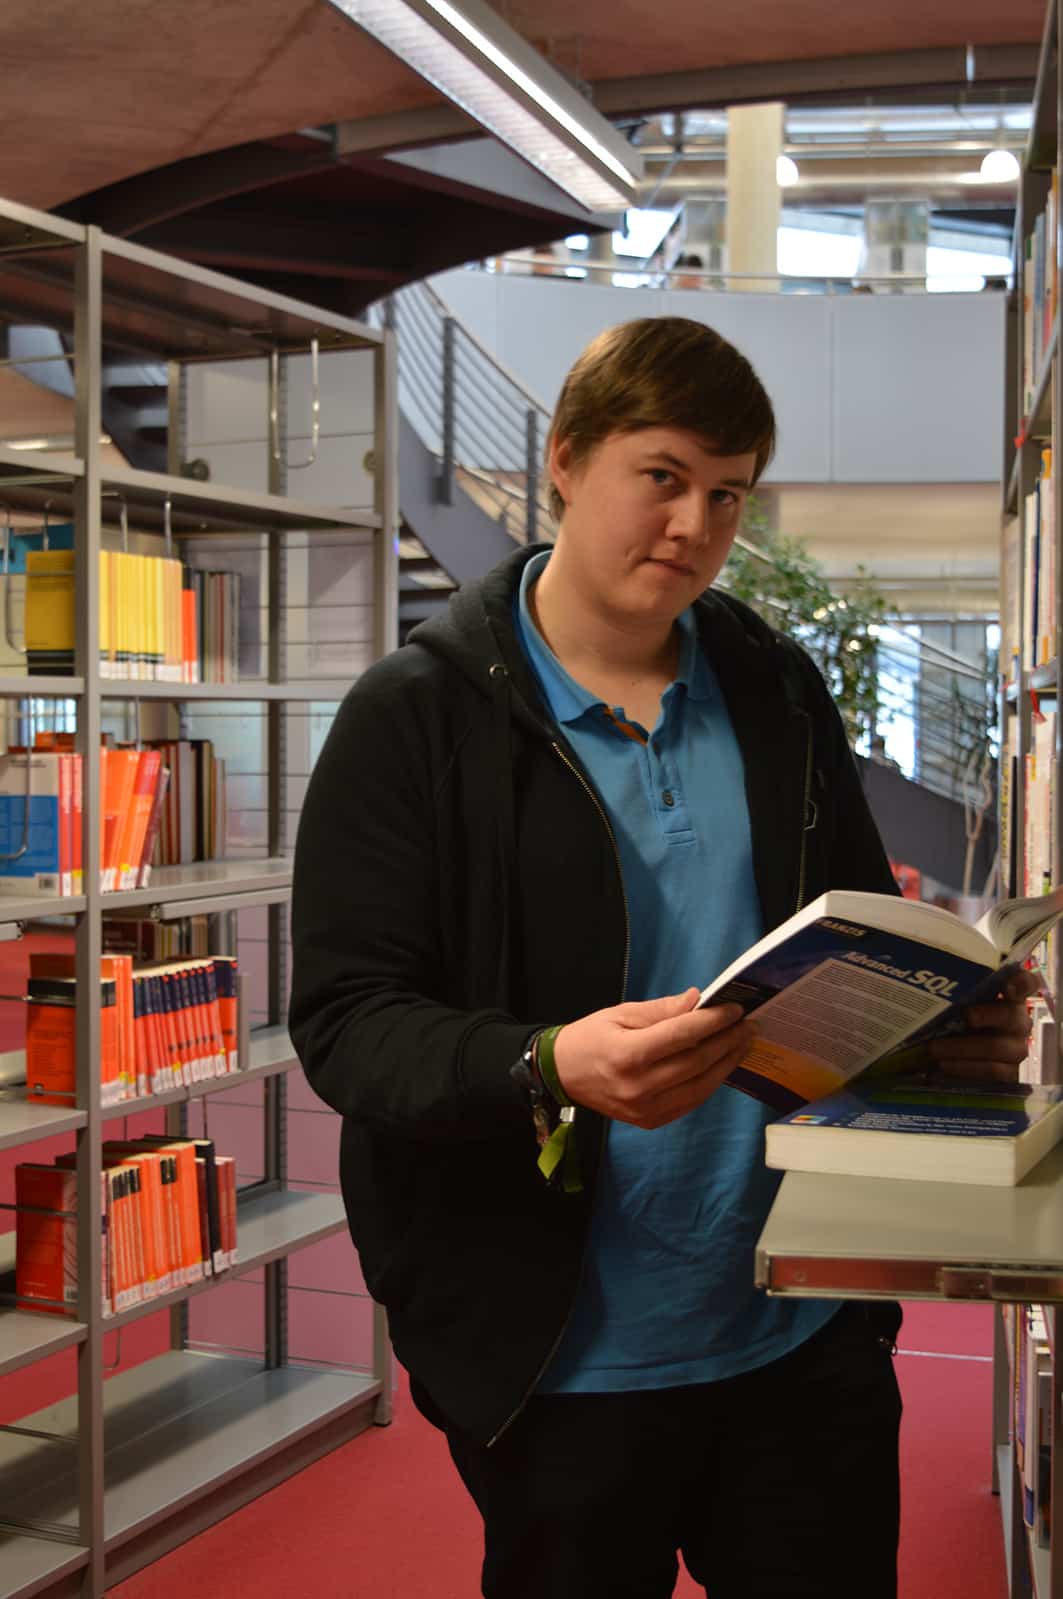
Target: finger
x,y
677,1034
647,1012
998,1017
1020,985
1004,1047
691,1073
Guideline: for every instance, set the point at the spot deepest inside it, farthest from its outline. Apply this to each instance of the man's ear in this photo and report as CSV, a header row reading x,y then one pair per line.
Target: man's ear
x,y
560,465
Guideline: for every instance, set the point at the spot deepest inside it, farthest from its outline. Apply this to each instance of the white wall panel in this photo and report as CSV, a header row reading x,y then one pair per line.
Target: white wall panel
x,y
867,388
918,381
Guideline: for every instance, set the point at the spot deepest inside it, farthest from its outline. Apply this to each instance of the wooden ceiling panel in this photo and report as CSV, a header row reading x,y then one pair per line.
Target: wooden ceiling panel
x,y
94,93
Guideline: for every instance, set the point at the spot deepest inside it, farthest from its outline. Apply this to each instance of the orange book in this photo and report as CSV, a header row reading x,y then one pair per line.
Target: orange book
x,y
184,1153
117,1053
121,1255
189,637
157,1264
77,867
46,1255
51,1043
139,815
66,824
120,767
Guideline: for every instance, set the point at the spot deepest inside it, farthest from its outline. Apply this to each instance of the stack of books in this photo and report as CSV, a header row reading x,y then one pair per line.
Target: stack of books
x,y
162,1026
163,804
160,621
168,1213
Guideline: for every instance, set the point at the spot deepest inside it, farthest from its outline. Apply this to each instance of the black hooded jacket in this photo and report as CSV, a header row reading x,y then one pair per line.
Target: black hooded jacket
x,y
457,885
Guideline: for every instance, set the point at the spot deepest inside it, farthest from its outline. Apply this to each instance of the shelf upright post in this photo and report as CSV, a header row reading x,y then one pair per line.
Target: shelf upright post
x,y
386,628
386,497
275,1165
88,371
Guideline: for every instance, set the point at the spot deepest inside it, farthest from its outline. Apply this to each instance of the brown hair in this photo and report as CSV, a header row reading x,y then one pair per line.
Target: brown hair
x,y
664,371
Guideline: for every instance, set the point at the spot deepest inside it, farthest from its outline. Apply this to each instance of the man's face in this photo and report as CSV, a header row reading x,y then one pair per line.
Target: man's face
x,y
649,518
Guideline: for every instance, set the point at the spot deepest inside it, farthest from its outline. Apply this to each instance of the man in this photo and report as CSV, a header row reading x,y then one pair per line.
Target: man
x,y
569,804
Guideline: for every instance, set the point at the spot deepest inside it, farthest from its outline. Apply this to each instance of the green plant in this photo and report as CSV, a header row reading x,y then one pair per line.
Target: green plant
x,y
788,586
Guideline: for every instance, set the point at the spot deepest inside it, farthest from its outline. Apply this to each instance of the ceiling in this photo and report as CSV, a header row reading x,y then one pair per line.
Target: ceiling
x,y
97,93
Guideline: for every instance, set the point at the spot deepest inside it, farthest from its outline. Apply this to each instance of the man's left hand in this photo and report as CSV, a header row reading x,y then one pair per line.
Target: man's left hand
x,y
997,1038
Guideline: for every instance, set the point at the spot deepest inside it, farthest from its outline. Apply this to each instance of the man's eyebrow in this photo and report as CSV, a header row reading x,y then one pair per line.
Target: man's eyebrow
x,y
684,466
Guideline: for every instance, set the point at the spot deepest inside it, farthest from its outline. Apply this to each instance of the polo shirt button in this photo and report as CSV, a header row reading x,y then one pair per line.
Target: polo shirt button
x,y
668,798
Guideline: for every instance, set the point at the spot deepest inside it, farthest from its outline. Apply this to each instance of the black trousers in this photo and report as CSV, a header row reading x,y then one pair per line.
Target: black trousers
x,y
781,1483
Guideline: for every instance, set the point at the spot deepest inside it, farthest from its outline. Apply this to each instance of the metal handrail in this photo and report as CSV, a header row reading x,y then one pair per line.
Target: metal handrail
x,y
476,419
576,271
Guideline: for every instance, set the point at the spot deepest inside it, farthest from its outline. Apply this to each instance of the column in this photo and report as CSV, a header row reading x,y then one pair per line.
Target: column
x,y
895,241
754,205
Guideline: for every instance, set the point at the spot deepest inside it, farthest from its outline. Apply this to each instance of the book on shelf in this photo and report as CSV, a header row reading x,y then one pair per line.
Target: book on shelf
x,y
162,1026
168,1220
1040,291
852,977
165,803
1039,569
159,621
936,1130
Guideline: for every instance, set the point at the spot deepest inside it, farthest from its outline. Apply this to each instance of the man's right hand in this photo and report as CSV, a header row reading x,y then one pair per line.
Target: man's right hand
x,y
649,1063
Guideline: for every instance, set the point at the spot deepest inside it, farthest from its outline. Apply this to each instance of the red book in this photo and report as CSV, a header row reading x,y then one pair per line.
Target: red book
x,y
151,832
46,1255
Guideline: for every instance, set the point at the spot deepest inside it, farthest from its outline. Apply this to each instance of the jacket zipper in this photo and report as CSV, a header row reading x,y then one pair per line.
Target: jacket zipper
x,y
804,811
552,1351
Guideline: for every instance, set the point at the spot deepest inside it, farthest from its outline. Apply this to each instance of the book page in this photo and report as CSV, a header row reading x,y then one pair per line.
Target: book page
x,y
1017,926
825,1028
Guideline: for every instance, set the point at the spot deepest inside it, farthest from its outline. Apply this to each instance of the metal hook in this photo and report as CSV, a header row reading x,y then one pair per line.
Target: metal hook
x,y
315,411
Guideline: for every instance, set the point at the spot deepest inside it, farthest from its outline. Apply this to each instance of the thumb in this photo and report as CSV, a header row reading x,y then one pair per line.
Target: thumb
x,y
648,1012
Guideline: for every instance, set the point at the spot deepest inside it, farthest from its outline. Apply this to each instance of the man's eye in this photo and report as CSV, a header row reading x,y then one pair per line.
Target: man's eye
x,y
724,497
661,475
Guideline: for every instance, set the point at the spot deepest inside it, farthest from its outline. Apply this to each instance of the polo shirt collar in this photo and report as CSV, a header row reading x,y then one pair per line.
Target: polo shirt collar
x,y
568,699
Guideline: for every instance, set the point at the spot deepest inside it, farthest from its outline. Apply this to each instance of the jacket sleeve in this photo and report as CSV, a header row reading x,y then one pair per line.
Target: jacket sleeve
x,y
376,1042
858,858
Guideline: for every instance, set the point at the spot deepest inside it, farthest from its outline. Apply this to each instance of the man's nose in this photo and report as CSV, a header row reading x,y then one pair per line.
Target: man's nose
x,y
690,518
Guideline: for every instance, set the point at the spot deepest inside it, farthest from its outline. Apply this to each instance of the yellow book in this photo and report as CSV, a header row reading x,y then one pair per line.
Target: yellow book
x,y
49,624
105,613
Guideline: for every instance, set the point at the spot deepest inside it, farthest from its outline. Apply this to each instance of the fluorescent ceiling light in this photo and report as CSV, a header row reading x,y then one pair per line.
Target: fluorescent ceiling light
x,y
485,67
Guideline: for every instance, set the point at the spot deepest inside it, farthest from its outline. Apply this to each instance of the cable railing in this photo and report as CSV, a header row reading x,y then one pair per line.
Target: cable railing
x,y
488,435
486,430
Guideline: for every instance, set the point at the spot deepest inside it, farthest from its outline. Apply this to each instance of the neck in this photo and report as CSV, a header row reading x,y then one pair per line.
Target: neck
x,y
589,641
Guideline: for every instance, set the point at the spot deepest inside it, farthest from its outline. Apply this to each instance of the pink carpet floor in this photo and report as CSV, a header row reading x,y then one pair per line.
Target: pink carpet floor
x,y
385,1518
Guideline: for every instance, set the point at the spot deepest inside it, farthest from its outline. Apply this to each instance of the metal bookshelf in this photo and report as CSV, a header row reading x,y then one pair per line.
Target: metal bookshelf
x,y
161,1450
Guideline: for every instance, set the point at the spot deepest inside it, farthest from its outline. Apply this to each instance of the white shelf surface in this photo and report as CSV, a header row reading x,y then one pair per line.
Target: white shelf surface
x,y
21,686
31,1565
248,689
877,1235
19,906
202,880
176,1429
23,1122
268,1227
29,1335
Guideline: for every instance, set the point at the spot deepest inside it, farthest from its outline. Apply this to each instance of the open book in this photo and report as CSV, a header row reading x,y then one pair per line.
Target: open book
x,y
852,977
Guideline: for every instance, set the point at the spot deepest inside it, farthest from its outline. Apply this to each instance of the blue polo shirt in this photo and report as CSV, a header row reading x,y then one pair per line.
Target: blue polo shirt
x,y
667,1295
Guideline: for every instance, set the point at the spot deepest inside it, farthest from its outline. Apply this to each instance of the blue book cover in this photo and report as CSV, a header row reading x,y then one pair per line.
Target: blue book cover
x,y
933,1128
853,977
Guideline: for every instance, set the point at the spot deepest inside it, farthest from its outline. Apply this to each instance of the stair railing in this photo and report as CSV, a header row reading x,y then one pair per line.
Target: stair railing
x,y
487,431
